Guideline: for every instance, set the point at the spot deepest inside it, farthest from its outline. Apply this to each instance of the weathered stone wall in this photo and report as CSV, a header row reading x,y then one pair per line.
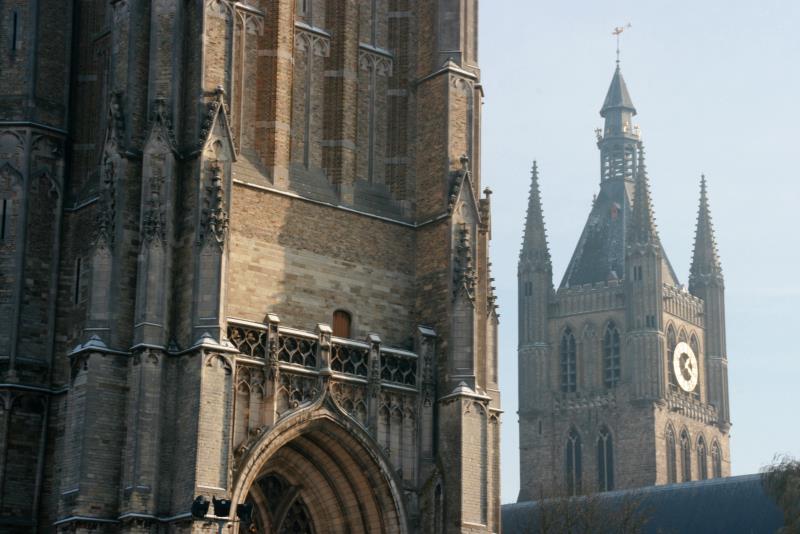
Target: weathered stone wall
x,y
302,261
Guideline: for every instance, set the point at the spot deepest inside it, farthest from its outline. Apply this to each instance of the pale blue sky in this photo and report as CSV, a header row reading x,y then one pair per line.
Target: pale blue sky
x,y
717,85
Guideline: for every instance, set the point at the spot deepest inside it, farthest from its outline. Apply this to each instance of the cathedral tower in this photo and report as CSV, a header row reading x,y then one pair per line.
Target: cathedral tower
x,y
245,254
623,371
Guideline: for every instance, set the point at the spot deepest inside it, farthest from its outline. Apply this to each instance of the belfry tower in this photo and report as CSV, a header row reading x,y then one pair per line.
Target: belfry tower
x,y
622,370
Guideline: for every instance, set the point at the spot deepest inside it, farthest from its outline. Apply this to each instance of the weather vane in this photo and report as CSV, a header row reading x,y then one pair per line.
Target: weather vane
x,y
616,33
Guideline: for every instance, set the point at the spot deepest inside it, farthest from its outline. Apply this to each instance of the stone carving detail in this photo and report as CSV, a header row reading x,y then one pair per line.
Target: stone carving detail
x,y
352,398
305,41
398,403
214,224
457,178
154,221
107,204
12,149
375,62
464,275
252,377
462,85
212,110
220,9
111,155
295,389
248,341
399,368
595,401
491,297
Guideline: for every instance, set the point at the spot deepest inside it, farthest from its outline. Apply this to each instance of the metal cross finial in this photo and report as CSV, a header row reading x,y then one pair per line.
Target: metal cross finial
x,y
617,31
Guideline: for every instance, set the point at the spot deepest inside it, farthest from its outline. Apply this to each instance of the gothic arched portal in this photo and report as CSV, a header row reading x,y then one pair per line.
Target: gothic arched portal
x,y
316,472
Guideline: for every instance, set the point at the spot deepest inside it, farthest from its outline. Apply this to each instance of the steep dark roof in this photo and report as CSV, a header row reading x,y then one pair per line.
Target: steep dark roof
x,y
723,505
600,253
617,96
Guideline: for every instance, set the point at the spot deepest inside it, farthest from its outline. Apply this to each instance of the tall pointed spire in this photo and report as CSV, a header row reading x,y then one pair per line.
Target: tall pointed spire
x,y
534,241
705,260
617,97
642,228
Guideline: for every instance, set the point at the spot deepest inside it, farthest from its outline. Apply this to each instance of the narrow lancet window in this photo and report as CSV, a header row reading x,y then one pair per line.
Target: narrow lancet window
x,y
569,360
672,470
686,456
702,459
611,356
573,463
605,461
716,460
3,211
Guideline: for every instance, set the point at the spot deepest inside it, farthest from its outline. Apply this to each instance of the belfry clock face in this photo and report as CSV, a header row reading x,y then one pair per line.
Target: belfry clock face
x,y
684,365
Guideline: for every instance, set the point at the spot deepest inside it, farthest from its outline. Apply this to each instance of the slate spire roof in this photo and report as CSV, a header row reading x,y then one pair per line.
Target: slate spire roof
x,y
617,96
615,221
534,241
705,260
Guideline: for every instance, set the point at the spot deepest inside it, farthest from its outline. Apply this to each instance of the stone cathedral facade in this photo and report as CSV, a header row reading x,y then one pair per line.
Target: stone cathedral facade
x,y
622,370
244,254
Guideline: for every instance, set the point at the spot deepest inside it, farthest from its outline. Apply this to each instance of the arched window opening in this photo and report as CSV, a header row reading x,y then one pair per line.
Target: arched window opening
x,y
438,514
569,360
574,463
341,323
605,461
672,470
686,456
611,360
716,460
702,460
672,342
4,205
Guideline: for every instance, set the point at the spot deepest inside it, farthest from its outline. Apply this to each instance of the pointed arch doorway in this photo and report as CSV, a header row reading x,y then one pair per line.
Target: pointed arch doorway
x,y
319,473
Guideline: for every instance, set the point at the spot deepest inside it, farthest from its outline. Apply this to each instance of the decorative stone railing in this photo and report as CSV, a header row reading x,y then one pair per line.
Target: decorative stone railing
x,y
289,348
399,367
692,407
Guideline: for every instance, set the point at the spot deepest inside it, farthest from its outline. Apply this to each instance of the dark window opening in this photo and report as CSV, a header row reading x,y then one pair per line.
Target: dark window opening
x,y
702,460
3,217
14,25
612,371
605,461
716,460
569,362
672,471
341,323
686,456
76,295
574,463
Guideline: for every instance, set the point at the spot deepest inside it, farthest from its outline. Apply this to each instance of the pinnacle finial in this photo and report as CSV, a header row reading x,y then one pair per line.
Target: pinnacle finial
x,y
643,226
534,242
705,259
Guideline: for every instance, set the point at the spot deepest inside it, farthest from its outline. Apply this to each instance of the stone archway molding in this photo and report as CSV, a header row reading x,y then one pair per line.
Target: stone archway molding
x,y
325,422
